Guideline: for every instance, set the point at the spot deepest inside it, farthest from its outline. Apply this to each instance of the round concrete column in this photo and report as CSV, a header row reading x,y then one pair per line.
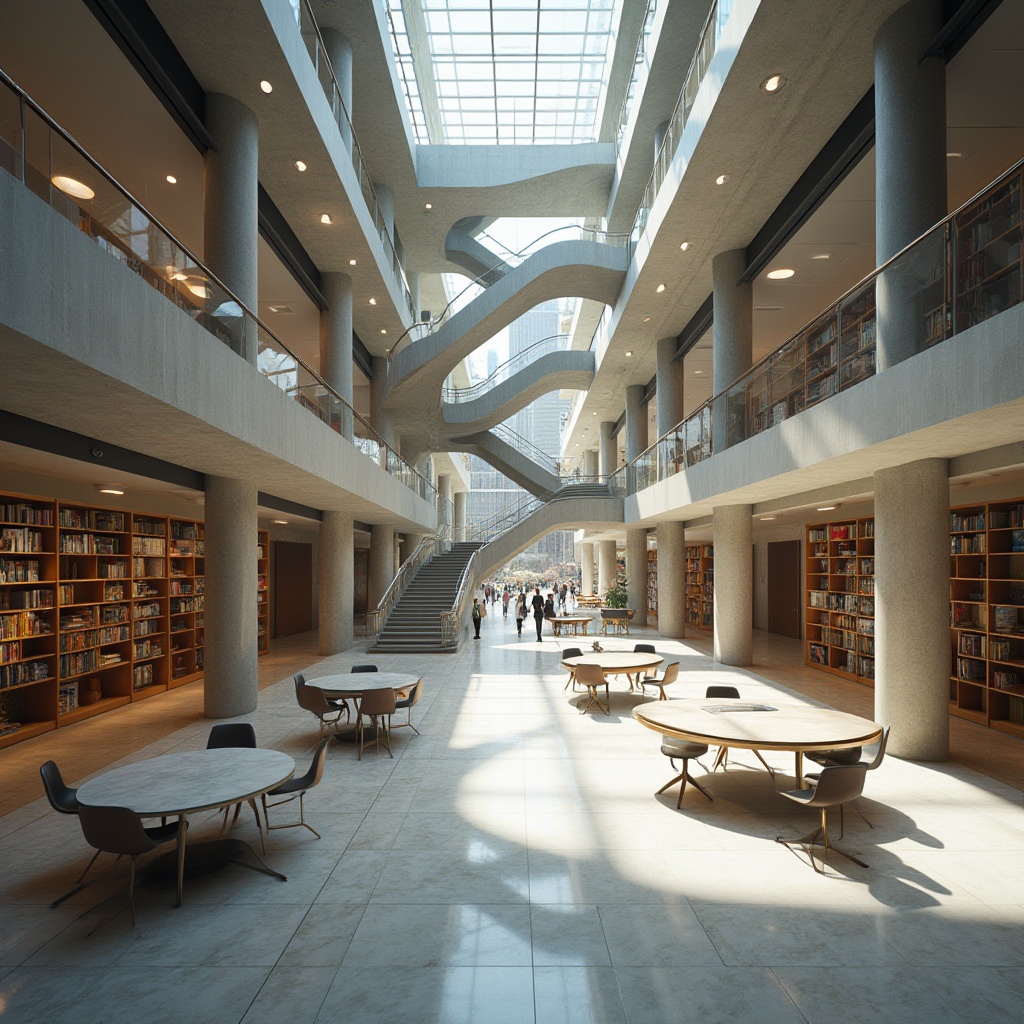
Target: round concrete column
x,y
636,424
669,397
339,53
459,501
336,342
636,574
230,215
606,574
734,584
672,579
587,570
590,463
608,451
733,339
910,166
912,608
386,202
336,593
381,565
230,676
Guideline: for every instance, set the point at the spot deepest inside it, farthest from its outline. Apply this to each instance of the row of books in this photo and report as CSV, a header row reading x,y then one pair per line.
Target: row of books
x,y
20,512
24,624
21,540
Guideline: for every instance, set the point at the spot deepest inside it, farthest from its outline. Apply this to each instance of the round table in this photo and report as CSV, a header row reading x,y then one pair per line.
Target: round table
x,y
342,685
732,723
573,622
613,663
177,785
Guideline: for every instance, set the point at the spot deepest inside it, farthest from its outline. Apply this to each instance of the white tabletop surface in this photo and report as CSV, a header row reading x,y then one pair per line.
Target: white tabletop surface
x,y
362,682
193,780
616,661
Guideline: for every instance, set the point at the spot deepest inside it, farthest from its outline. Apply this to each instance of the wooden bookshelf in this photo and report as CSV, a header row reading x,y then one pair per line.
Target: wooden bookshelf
x,y
652,586
986,614
186,600
840,609
262,592
149,606
700,586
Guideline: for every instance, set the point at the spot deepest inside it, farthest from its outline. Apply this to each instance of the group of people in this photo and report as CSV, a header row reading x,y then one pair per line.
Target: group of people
x,y
558,602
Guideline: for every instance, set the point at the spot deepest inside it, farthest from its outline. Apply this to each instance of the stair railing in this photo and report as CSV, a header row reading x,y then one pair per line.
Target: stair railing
x,y
450,619
514,513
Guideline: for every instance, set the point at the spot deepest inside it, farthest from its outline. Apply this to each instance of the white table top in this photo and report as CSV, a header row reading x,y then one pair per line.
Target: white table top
x,y
343,683
794,727
616,661
194,780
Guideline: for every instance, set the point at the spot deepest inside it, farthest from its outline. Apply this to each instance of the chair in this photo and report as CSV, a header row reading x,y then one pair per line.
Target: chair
x,y
378,706
592,677
407,703
297,788
571,652
235,734
644,649
667,678
119,830
836,785
877,751
722,757
364,668
312,699
684,750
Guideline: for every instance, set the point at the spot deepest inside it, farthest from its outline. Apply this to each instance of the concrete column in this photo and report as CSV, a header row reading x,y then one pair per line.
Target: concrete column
x,y
733,344
587,569
339,53
590,463
230,218
398,553
636,423
608,451
606,571
669,397
459,500
230,677
912,608
335,589
910,168
636,574
336,342
734,584
672,579
381,566
380,418
386,202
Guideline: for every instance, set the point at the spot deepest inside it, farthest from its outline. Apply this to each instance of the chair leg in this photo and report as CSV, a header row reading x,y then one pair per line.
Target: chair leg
x,y
79,885
131,891
811,840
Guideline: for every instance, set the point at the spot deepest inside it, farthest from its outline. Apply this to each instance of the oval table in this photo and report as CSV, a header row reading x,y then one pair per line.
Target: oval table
x,y
612,663
731,723
576,624
177,785
352,686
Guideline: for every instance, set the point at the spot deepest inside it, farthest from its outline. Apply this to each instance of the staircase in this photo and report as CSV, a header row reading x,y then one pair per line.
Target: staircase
x,y
414,626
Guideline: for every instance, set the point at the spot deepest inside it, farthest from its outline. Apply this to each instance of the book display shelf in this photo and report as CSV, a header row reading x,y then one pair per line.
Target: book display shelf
x,y
262,592
700,586
840,612
652,586
986,614
99,608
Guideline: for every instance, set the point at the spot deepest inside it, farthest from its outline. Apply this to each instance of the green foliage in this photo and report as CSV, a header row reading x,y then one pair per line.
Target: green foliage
x,y
617,596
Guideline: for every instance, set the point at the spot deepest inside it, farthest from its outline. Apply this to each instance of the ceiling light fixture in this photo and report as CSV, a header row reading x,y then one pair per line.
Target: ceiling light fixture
x,y
373,302
773,83
822,256
954,155
660,288
300,165
646,320
629,352
280,522
325,218
826,508
428,206
72,186
109,489
280,309
781,274
721,179
768,519
266,86
698,372
171,179
351,263
684,246
383,331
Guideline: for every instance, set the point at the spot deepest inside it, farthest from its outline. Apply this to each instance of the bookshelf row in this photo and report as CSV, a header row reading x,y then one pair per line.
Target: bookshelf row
x,y
652,586
98,608
700,585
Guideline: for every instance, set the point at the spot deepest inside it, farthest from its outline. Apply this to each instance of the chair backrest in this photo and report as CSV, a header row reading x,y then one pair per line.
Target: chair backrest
x,y
644,649
571,652
114,830
880,752
415,692
316,768
590,675
231,734
671,673
378,702
62,798
299,680
311,698
722,691
364,668
838,784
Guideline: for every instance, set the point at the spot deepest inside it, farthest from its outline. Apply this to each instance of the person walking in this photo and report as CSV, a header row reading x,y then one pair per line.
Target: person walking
x,y
478,613
520,612
537,603
505,598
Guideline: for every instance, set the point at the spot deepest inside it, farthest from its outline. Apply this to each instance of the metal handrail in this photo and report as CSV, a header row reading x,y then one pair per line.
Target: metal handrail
x,y
450,619
26,100
638,61
525,447
503,372
514,513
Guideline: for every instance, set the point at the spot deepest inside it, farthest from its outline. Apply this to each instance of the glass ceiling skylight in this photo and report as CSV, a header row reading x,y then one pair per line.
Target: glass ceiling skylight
x,y
504,71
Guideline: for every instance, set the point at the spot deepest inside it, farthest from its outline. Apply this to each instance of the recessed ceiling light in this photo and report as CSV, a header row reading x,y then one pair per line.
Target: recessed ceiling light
x,y
822,256
781,274
577,444
325,218
300,165
266,87
109,489
351,263
373,302
826,508
383,331
768,519
171,179
660,288
698,372
721,179
629,352
684,246
954,154
280,309
593,414
281,522
774,83
428,206
646,320
72,187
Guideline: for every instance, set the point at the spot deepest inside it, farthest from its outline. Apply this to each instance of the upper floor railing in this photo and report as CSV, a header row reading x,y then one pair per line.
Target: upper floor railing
x,y
641,62
38,152
310,31
555,343
963,271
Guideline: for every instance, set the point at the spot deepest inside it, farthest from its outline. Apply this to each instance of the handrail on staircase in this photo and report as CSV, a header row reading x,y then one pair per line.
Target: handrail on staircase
x,y
450,619
515,512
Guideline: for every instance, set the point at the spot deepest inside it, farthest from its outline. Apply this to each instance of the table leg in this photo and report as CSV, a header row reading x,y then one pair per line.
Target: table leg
x,y
799,770
182,831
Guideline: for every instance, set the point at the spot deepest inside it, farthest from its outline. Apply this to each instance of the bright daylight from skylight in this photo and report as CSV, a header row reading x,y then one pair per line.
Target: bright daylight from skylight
x,y
503,71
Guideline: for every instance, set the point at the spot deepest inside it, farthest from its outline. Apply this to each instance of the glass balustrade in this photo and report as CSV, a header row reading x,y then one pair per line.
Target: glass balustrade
x,y
546,346
35,150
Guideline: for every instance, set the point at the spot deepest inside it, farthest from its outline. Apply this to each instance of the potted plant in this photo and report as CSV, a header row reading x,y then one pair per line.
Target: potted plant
x,y
615,600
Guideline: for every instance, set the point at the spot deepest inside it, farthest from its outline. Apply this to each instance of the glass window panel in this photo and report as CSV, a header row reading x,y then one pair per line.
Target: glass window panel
x,y
562,45
515,21
558,22
437,21
470,44
514,44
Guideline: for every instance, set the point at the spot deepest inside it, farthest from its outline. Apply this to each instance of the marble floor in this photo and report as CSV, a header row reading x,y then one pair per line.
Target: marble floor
x,y
512,864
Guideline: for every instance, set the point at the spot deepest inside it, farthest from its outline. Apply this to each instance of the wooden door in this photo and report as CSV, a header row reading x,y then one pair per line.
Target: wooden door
x,y
784,588
293,587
